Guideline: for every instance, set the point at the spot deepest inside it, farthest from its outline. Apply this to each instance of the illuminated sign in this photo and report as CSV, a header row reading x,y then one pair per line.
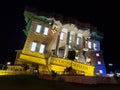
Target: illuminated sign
x,y
79,66
60,61
87,69
33,59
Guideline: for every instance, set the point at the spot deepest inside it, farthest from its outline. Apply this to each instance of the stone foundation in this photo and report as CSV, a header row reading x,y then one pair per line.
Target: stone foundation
x,y
81,79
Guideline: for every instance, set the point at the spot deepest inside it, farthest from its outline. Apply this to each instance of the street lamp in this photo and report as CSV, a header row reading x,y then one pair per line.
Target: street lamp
x,y
8,63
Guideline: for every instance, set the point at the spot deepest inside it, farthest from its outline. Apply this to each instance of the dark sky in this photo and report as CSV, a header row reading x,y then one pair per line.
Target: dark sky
x,y
103,15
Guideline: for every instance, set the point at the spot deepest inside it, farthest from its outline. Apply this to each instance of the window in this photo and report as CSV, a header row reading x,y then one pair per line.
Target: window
x,y
42,30
94,46
89,45
42,48
100,71
78,41
62,36
71,37
99,62
46,29
79,36
38,28
97,54
63,33
33,46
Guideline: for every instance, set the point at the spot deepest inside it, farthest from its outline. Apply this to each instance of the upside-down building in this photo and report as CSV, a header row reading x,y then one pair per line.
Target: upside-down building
x,y
62,46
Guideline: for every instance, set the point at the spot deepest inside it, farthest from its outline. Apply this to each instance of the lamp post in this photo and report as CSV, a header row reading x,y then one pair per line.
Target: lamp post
x,y
8,63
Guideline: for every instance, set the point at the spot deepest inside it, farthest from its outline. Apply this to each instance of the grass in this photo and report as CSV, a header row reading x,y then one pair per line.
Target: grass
x,y
28,82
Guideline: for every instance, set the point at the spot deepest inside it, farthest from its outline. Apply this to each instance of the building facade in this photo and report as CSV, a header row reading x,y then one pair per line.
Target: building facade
x,y
59,47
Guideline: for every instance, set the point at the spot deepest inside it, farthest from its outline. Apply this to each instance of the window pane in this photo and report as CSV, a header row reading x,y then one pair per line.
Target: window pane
x,y
78,40
38,28
42,48
46,31
61,36
89,45
71,37
97,54
33,46
101,71
94,46
99,62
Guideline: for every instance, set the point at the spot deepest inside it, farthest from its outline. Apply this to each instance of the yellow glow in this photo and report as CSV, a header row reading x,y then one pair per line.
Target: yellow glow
x,y
85,49
87,69
9,72
57,69
76,51
60,62
37,54
33,59
88,59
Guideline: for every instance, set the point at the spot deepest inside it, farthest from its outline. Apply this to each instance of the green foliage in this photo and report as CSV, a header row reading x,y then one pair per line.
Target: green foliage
x,y
27,28
95,36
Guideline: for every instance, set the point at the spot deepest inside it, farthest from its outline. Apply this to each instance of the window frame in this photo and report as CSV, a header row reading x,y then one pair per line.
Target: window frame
x,y
38,30
42,48
43,29
33,46
62,35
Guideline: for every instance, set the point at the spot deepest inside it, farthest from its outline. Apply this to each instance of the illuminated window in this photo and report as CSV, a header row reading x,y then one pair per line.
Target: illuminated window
x,y
46,29
78,41
79,36
33,46
100,71
62,36
94,46
97,54
71,37
42,30
38,28
99,62
89,45
42,48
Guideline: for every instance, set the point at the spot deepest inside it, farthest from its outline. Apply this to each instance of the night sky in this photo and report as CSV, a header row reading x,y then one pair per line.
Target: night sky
x,y
103,15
